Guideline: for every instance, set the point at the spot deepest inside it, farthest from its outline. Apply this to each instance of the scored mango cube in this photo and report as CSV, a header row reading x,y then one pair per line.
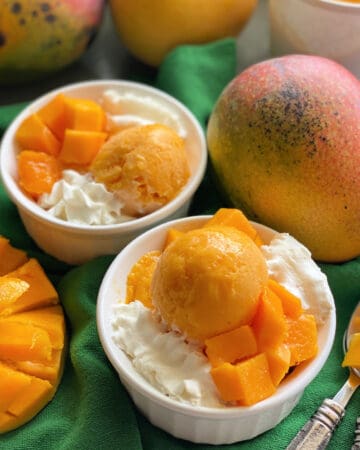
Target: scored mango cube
x,y
10,257
40,293
32,338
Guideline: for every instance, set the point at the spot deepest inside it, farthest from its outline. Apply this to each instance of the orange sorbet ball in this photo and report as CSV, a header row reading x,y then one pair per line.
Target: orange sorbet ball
x,y
145,166
208,281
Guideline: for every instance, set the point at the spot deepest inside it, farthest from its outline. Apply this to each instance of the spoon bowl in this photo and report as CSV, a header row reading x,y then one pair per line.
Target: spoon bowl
x,y
317,431
354,327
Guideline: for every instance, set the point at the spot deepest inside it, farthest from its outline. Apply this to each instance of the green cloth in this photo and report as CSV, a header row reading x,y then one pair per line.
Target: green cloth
x,y
91,409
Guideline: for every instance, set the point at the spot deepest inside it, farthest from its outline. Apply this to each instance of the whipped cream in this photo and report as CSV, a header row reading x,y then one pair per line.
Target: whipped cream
x,y
126,109
164,359
290,264
178,368
78,199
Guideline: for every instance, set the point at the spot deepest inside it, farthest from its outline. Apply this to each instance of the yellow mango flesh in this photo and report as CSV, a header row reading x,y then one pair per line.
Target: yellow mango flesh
x,y
32,341
139,278
171,235
10,258
301,338
83,114
53,115
269,323
38,390
279,362
352,357
233,217
231,346
40,293
48,370
248,361
21,342
10,290
51,319
290,303
28,396
246,382
11,385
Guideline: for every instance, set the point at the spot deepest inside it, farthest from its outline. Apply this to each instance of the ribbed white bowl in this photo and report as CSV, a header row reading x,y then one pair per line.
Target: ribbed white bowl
x,y
198,424
74,243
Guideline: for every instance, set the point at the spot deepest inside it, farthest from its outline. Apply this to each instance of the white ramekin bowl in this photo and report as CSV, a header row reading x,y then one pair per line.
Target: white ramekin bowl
x,y
328,28
74,243
198,424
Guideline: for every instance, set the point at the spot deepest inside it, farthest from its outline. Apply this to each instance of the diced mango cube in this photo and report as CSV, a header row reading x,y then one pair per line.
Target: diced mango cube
x,y
301,338
53,115
38,172
231,346
227,381
84,115
269,323
290,303
33,134
279,362
247,382
80,147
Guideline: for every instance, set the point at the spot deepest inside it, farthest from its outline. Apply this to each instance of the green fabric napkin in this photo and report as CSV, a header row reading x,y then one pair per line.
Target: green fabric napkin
x,y
91,409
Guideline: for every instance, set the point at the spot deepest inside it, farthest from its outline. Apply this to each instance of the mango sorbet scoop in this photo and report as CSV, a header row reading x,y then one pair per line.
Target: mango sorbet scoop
x,y
208,281
145,166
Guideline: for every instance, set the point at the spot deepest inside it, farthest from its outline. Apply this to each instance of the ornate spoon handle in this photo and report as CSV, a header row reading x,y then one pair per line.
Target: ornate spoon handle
x,y
316,433
356,444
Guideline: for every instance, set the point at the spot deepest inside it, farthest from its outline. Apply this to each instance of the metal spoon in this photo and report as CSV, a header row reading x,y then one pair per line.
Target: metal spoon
x,y
317,432
356,444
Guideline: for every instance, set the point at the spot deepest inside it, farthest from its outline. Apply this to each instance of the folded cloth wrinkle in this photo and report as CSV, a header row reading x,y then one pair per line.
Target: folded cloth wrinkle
x,y
92,410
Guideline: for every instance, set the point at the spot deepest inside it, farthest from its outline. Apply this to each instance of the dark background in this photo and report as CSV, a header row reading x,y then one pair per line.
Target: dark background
x,y
106,58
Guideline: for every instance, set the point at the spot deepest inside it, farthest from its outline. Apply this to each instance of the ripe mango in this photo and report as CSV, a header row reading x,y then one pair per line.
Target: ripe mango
x,y
150,29
284,142
38,37
32,339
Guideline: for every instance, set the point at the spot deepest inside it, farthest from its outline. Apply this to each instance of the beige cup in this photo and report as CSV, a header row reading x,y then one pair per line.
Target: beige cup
x,y
327,28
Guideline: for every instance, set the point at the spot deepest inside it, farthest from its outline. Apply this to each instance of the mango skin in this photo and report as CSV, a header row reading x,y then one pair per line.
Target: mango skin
x,y
149,29
38,37
284,142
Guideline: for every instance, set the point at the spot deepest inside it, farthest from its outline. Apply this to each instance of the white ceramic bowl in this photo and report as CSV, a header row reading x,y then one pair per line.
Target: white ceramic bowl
x,y
198,424
328,28
76,244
